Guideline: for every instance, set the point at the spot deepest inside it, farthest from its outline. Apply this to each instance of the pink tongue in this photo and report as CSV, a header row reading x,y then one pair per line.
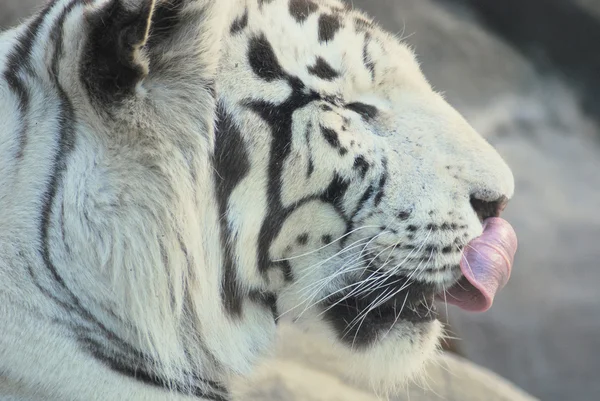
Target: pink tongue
x,y
486,266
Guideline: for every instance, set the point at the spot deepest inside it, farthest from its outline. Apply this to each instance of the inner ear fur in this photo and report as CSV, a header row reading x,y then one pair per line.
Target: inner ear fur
x,y
113,61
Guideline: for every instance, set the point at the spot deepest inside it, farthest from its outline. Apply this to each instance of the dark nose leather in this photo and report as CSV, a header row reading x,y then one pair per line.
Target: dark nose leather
x,y
486,208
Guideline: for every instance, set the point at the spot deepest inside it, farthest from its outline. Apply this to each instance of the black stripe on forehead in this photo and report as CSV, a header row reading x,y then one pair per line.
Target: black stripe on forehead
x,y
369,64
240,23
323,70
263,2
279,119
367,111
329,25
302,9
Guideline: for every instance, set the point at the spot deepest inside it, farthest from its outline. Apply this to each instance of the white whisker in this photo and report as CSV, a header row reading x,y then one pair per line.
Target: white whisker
x,y
324,246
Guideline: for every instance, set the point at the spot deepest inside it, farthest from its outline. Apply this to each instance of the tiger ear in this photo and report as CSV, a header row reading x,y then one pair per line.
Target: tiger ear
x,y
113,60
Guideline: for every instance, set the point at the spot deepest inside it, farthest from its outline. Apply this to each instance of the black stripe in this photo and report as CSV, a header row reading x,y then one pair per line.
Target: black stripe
x,y
63,234
323,70
66,139
19,62
367,111
361,165
331,137
231,165
302,9
369,65
135,367
370,192
261,2
125,359
381,192
266,299
279,118
329,25
362,25
286,269
60,294
382,182
335,192
240,23
311,162
263,60
366,196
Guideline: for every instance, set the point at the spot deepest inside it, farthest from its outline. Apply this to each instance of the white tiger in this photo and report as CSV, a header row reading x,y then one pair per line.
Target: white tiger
x,y
176,176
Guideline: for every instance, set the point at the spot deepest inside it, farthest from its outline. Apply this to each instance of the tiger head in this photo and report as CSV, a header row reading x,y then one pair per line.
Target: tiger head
x,y
209,169
352,186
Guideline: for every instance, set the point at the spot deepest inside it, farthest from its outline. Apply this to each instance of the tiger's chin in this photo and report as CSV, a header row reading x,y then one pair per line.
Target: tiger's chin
x,y
386,364
381,345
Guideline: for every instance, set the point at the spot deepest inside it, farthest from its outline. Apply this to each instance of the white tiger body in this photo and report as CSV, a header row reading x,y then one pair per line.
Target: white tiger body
x,y
169,191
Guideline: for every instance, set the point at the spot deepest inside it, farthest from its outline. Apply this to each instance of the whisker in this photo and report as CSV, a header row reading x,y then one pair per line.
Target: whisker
x,y
309,299
359,257
373,275
356,244
324,246
397,315
362,316
412,251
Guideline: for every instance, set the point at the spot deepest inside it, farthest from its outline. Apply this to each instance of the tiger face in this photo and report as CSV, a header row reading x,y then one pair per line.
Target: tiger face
x,y
178,176
365,184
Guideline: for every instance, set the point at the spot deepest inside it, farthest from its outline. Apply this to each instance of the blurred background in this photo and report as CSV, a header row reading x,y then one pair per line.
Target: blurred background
x,y
526,74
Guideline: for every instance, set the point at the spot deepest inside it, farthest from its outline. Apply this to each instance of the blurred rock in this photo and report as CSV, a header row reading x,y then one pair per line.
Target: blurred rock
x,y
14,11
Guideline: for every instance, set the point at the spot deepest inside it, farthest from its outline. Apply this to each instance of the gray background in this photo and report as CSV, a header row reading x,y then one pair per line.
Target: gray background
x,y
543,332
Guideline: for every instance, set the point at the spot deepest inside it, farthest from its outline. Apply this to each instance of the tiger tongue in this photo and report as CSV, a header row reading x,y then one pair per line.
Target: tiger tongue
x,y
486,266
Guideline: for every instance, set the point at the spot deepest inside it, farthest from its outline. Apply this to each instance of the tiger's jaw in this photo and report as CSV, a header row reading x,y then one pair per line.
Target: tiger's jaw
x,y
386,331
383,349
373,308
364,310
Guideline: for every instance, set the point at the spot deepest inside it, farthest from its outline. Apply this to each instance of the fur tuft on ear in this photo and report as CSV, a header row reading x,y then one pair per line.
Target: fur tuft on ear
x,y
113,61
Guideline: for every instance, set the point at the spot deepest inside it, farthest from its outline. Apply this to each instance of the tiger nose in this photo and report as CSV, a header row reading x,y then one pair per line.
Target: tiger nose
x,y
486,208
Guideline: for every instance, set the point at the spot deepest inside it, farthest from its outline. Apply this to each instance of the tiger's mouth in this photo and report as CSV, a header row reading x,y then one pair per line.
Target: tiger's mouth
x,y
361,318
379,301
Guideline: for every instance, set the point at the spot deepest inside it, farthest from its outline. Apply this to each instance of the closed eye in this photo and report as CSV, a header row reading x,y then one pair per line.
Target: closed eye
x,y
367,111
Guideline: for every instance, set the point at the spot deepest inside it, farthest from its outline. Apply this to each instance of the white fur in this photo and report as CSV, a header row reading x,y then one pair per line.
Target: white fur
x,y
129,202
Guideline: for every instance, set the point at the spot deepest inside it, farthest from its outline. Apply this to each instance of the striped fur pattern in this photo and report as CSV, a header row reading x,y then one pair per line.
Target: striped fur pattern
x,y
178,176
